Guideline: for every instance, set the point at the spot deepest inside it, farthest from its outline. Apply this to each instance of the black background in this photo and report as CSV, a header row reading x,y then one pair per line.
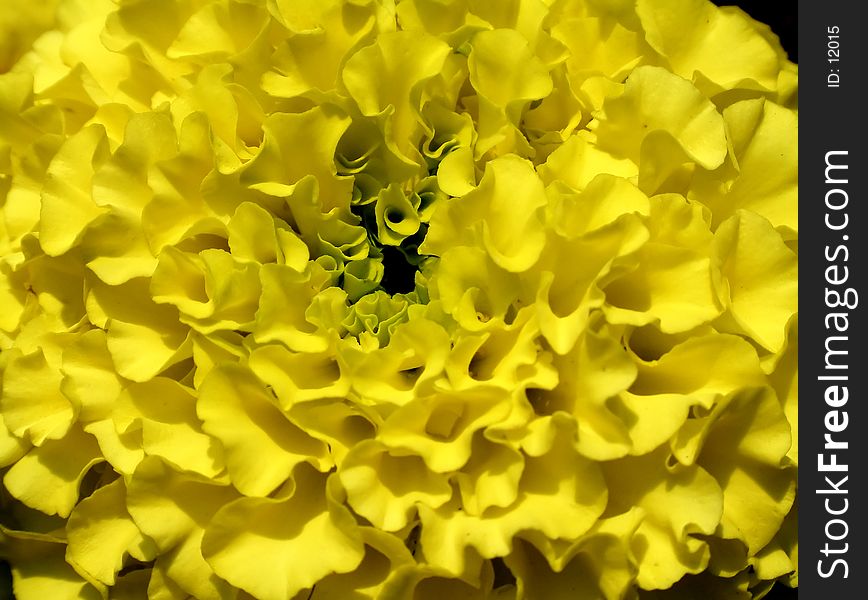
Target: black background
x,y
780,15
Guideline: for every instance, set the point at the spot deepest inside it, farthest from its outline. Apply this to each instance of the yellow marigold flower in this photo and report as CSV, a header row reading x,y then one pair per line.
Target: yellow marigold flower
x,y
396,299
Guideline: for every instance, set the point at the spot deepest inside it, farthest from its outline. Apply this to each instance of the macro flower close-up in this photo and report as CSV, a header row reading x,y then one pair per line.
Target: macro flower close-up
x,y
397,299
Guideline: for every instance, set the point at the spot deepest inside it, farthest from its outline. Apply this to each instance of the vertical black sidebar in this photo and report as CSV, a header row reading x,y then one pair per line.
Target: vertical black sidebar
x,y
833,425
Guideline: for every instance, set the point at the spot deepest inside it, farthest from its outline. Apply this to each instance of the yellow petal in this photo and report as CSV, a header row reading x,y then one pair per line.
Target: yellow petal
x,y
297,377
101,534
595,370
143,337
569,290
170,427
11,448
282,314
385,557
655,100
385,487
579,160
507,77
228,28
605,198
598,46
744,451
307,536
764,143
440,427
762,273
47,477
29,376
67,205
598,565
296,145
173,509
414,358
697,37
491,478
503,212
678,502
722,364
262,446
391,73
39,570
310,62
561,495
89,377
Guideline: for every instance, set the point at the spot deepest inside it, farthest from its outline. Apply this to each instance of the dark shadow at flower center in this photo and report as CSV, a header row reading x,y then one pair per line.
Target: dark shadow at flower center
x,y
399,276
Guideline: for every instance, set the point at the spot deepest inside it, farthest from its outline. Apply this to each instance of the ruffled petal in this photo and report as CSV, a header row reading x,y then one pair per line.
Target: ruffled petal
x,y
165,411
391,72
262,446
560,496
48,476
721,46
440,427
39,569
764,155
306,533
29,376
657,102
385,487
761,274
102,534
173,509
678,502
502,211
745,450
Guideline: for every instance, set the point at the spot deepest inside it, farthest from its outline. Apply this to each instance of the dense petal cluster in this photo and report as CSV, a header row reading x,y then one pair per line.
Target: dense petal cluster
x,y
401,299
